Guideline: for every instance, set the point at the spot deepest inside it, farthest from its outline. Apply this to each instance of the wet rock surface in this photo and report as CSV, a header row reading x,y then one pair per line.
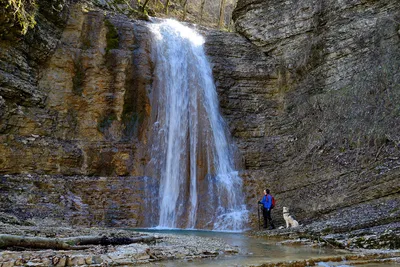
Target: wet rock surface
x,y
371,245
167,247
363,258
173,247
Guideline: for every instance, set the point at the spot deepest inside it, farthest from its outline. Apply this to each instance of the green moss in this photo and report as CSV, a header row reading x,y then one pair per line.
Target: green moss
x,y
111,36
132,118
141,14
395,210
78,79
327,230
391,239
106,122
24,12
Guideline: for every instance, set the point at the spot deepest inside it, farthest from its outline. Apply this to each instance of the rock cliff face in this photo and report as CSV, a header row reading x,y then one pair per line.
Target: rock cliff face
x,y
74,145
328,141
310,94
74,99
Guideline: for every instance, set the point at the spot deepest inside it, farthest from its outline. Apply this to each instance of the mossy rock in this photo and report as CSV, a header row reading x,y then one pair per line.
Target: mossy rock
x,y
23,13
12,220
106,122
112,36
78,79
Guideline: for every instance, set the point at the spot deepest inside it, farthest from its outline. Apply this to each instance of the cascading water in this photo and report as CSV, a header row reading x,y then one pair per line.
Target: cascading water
x,y
191,154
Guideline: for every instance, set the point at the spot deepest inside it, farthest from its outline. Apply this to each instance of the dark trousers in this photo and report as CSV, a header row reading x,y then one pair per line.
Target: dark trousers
x,y
267,217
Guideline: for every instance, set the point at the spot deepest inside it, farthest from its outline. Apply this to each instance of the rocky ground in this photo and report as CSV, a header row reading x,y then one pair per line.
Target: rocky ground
x,y
360,246
328,234
166,247
373,245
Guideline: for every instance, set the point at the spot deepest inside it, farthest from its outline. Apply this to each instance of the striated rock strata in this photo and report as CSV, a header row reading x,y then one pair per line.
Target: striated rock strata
x,y
328,145
78,154
74,99
310,92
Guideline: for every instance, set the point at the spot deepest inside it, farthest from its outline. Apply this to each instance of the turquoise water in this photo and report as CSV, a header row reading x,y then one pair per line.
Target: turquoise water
x,y
256,251
253,251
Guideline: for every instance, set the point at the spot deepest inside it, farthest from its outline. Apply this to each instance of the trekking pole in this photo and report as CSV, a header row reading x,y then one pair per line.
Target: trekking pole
x,y
258,211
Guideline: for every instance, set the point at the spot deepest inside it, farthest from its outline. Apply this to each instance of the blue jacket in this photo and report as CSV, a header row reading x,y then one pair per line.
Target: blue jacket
x,y
267,201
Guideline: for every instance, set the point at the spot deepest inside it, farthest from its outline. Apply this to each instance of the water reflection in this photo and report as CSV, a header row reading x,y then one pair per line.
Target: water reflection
x,y
253,251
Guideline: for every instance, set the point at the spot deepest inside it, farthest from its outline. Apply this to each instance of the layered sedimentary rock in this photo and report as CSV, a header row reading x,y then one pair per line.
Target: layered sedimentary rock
x,y
85,106
74,97
79,154
329,143
310,92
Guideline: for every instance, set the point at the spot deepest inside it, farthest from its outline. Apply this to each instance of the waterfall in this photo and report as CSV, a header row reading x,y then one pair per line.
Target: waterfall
x,y
191,153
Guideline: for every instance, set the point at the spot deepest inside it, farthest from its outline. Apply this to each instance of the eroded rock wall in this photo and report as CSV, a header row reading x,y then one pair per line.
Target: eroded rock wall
x,y
330,145
74,102
79,156
310,92
90,103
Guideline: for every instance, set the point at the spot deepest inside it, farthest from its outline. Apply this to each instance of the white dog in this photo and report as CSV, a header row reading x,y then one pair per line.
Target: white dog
x,y
290,221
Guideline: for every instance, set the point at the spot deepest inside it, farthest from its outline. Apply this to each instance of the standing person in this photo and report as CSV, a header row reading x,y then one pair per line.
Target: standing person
x,y
267,206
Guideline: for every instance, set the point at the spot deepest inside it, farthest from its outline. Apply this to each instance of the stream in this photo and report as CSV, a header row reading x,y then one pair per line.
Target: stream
x,y
256,251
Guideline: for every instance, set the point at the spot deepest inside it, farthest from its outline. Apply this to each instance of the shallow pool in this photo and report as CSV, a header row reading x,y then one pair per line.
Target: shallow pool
x,y
253,251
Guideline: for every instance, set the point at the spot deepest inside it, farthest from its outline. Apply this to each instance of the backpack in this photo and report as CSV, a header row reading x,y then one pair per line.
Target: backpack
x,y
273,202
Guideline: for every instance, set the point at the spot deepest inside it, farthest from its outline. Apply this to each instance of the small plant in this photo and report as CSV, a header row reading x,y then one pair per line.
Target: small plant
x,y
111,36
24,12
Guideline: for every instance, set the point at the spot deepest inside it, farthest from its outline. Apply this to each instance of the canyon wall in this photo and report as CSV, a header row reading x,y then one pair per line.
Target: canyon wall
x,y
74,102
328,142
310,92
75,146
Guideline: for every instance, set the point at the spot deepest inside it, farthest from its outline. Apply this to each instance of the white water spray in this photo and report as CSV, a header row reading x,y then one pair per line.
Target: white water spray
x,y
191,153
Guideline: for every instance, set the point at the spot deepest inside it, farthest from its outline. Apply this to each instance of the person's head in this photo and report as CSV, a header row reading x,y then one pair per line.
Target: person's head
x,y
266,191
